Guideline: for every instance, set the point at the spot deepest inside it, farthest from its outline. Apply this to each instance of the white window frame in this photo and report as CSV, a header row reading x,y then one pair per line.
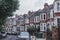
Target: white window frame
x,y
42,16
51,13
37,18
42,25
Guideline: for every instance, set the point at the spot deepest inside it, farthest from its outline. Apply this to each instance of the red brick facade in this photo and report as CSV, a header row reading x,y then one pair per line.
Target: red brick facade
x,y
57,14
54,33
55,30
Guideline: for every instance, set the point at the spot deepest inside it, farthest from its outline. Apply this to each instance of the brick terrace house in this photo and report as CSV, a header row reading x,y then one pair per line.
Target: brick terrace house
x,y
26,21
10,25
42,18
37,18
20,22
49,22
53,20
31,18
46,21
43,22
56,27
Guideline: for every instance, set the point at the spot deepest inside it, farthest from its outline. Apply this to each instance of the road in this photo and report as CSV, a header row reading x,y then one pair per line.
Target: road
x,y
13,37
9,37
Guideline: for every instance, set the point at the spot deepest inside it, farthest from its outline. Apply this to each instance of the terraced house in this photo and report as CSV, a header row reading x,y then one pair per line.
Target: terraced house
x,y
37,19
31,18
42,18
26,18
56,27
47,19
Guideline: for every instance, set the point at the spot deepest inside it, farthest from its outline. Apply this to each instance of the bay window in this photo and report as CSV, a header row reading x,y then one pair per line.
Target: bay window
x,y
42,16
43,27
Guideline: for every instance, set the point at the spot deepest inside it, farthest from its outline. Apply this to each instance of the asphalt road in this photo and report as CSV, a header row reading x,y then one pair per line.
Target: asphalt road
x,y
9,37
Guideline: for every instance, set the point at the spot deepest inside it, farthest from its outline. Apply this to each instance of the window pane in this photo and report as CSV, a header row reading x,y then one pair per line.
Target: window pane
x,y
58,21
44,16
42,27
58,6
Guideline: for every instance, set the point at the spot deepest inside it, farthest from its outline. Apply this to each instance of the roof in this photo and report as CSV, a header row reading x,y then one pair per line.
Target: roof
x,y
44,10
50,6
26,16
31,15
37,13
20,17
48,9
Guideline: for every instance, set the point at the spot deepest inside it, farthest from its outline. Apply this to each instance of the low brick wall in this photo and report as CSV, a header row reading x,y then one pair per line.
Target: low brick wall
x,y
34,38
40,39
54,33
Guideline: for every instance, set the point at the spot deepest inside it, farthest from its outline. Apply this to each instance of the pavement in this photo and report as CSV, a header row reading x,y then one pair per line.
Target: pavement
x,y
9,37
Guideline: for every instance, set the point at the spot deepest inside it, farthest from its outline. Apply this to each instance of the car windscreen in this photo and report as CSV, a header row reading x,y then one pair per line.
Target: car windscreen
x,y
24,34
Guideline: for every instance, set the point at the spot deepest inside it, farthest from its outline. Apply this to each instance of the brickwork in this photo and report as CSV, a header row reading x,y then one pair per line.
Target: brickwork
x,y
57,14
54,33
59,33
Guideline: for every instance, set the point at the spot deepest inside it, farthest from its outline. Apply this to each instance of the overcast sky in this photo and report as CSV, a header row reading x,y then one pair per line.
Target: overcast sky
x,y
32,5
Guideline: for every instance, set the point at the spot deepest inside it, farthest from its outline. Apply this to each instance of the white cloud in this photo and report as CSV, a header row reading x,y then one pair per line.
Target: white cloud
x,y
26,5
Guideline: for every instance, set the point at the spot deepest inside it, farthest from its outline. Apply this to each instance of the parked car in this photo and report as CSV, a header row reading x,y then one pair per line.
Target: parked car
x,y
14,33
0,35
9,33
23,36
4,34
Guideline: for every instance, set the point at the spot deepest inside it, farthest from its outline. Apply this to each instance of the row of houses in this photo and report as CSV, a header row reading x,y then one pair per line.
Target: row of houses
x,y
42,18
14,24
48,17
